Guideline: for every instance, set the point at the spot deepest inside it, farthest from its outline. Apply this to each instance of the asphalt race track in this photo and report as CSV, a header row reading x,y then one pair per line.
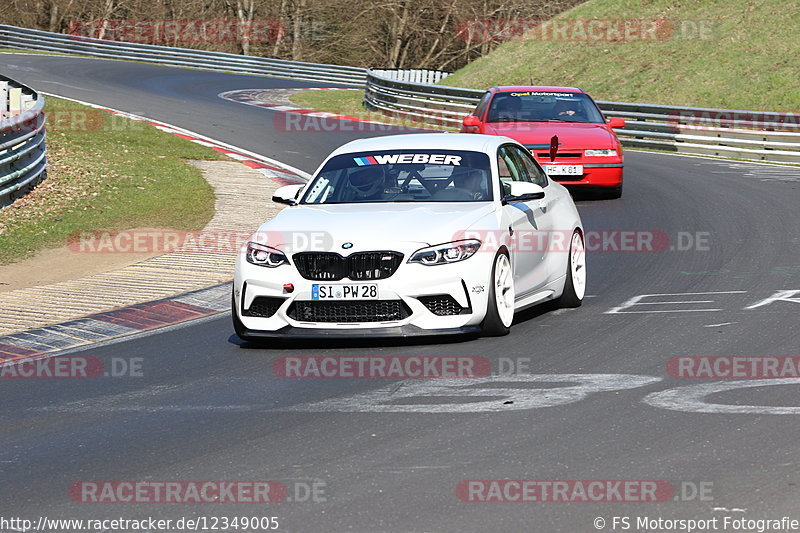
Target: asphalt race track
x,y
209,408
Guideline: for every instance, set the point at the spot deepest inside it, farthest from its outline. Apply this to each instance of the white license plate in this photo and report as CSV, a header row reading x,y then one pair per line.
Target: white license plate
x,y
563,170
345,291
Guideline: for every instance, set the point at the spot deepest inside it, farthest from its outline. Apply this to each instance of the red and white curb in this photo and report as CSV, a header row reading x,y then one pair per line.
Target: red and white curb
x,y
270,168
249,97
109,325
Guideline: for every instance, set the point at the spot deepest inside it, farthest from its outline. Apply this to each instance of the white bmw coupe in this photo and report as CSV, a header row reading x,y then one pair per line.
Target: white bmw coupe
x,y
422,234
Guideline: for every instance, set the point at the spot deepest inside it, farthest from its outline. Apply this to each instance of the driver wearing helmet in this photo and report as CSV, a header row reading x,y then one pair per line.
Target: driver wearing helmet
x,y
569,108
470,181
367,182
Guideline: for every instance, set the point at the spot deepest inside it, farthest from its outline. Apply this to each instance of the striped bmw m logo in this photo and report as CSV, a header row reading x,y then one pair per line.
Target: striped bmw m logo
x,y
362,161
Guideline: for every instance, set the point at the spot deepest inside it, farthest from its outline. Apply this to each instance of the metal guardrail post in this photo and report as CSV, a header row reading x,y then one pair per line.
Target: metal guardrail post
x,y
3,99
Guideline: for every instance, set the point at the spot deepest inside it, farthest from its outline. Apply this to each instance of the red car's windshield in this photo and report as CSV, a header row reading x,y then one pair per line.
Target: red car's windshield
x,y
543,106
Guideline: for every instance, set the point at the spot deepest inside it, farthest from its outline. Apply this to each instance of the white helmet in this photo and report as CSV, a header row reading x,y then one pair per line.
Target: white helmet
x,y
367,181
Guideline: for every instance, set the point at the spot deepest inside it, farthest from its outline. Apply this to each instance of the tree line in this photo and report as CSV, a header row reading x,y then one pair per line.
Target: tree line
x,y
434,34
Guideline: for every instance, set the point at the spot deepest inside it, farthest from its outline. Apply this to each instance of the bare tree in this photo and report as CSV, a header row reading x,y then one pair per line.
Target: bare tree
x,y
370,33
245,11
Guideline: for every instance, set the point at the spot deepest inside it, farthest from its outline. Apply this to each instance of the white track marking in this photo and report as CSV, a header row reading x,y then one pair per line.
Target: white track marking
x,y
780,296
492,394
508,393
636,300
692,398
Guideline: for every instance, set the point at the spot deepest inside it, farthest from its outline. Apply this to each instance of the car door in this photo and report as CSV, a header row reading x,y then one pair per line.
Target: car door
x,y
528,224
553,241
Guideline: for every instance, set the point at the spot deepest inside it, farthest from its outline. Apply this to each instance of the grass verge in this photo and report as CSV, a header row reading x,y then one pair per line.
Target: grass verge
x,y
36,52
106,173
351,103
734,54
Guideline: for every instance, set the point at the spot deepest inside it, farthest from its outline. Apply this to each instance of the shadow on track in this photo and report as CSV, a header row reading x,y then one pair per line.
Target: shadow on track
x,y
381,342
365,342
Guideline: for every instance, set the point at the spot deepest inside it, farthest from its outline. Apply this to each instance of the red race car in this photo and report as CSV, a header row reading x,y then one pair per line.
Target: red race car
x,y
562,127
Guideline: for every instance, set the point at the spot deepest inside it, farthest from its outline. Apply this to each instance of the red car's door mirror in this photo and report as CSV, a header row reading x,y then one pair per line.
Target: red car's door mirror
x,y
472,124
616,122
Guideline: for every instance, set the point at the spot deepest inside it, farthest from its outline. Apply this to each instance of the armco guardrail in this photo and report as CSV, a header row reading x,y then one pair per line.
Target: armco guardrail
x,y
748,135
27,39
436,103
23,158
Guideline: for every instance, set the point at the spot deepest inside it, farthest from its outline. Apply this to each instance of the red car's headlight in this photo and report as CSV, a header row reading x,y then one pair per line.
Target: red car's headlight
x,y
600,153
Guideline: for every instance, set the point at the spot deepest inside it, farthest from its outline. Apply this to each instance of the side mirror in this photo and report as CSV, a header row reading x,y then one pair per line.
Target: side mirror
x,y
616,122
472,124
522,191
287,194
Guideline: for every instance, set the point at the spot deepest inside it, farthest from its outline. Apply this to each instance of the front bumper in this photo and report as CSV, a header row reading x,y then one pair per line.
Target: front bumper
x,y
595,174
409,330
410,288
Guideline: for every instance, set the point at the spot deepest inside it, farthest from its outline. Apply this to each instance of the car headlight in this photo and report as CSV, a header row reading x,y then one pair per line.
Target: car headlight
x,y
450,252
600,153
261,255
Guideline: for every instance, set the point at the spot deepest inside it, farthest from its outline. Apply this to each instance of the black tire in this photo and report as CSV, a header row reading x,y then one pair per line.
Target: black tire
x,y
569,298
238,327
492,326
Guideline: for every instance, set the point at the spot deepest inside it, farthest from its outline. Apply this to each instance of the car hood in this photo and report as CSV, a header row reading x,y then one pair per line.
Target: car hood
x,y
379,226
571,136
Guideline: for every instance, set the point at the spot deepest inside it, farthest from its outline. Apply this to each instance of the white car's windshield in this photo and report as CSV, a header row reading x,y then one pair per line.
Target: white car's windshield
x,y
402,176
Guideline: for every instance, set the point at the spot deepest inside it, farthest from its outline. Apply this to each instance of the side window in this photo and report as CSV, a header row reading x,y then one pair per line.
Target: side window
x,y
509,169
532,170
482,104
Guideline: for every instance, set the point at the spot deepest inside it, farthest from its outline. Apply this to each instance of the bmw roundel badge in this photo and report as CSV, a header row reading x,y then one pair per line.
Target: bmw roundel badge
x,y
347,245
